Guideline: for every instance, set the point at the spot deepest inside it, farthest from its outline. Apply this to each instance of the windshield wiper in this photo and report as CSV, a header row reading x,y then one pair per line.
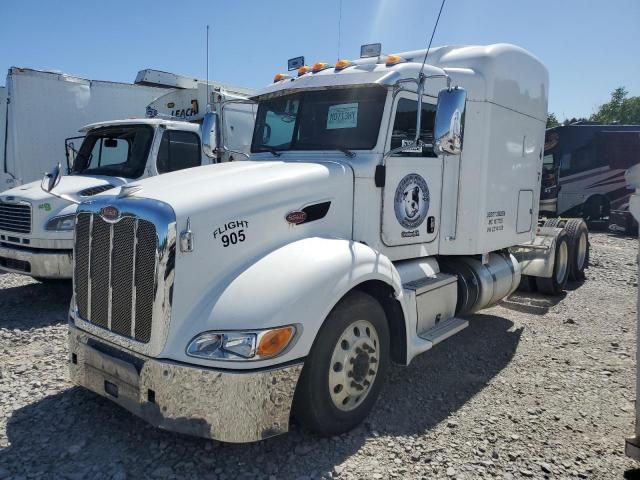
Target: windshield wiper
x,y
340,148
346,151
267,148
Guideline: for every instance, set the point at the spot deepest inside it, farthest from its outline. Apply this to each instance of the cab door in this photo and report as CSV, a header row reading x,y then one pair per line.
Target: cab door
x,y
412,193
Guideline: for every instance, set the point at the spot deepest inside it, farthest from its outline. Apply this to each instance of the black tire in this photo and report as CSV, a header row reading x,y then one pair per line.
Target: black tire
x,y
313,405
595,208
554,222
576,229
556,284
631,228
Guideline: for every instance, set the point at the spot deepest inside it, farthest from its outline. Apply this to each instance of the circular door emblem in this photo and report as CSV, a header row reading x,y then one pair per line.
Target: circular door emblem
x,y
411,202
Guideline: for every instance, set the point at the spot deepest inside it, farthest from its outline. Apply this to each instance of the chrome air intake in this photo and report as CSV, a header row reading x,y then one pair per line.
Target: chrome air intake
x,y
123,265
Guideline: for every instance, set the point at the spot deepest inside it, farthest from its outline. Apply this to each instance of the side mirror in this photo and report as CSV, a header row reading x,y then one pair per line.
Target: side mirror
x,y
209,134
447,132
51,180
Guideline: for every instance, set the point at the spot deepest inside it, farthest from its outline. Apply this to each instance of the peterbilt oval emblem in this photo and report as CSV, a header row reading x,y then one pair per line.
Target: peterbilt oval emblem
x,y
110,213
296,218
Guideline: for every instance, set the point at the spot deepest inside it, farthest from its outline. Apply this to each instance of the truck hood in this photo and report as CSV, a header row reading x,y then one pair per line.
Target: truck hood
x,y
238,213
240,186
46,206
69,184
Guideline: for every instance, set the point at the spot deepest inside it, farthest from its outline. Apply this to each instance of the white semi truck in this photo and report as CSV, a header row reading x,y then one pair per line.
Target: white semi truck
x,y
36,227
377,211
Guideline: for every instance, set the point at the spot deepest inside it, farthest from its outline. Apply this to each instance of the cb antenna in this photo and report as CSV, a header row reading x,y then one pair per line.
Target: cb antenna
x,y
207,55
339,27
431,40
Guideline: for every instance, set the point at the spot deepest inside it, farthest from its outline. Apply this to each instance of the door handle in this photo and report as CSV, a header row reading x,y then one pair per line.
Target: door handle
x,y
431,224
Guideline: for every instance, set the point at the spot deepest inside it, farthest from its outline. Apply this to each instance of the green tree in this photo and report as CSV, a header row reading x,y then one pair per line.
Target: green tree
x,y
552,121
620,109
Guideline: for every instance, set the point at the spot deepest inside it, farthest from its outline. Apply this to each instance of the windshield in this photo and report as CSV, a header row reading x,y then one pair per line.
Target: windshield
x,y
117,151
346,118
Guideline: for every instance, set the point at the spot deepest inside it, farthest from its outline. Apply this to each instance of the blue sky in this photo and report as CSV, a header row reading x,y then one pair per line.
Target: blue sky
x,y
589,46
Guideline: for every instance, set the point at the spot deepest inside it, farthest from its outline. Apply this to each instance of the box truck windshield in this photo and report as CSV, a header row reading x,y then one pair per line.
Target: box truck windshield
x,y
114,151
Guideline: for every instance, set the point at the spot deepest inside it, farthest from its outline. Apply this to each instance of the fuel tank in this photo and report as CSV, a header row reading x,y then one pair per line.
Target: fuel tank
x,y
482,285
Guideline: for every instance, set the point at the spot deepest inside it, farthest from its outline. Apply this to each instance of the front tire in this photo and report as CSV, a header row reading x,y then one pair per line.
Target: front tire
x,y
344,371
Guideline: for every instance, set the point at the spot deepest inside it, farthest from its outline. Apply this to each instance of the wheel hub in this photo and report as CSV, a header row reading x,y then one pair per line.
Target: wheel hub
x,y
360,366
354,365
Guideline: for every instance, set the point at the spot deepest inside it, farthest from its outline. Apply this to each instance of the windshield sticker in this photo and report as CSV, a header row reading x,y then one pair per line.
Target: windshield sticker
x,y
344,115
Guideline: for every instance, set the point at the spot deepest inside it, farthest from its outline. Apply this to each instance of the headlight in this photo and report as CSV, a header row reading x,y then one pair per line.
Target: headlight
x,y
251,345
64,222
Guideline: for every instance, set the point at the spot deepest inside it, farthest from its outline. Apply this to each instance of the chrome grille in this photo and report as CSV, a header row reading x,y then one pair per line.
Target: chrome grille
x,y
115,274
15,217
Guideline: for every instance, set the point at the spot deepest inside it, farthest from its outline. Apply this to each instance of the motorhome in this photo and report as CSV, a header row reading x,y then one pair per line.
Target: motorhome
x,y
387,198
580,172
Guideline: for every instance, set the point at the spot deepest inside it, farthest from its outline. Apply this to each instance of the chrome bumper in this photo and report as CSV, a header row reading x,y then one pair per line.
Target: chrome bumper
x,y
36,263
229,406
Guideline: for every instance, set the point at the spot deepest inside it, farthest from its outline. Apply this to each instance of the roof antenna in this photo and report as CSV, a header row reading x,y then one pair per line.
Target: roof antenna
x,y
207,54
431,40
339,27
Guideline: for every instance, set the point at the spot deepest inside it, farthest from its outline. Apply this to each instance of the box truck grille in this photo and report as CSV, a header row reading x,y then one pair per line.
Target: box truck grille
x,y
115,274
15,217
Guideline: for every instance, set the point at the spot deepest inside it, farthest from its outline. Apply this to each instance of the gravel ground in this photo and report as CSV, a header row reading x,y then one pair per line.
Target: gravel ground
x,y
534,388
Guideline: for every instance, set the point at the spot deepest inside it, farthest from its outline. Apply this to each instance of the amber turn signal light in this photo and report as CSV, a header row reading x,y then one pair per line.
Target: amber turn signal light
x,y
274,341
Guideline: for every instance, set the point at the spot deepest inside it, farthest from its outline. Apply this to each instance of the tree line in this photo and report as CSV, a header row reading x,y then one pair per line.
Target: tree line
x,y
621,109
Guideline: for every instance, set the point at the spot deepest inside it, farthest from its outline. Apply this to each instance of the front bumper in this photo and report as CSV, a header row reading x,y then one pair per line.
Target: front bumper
x,y
36,262
229,406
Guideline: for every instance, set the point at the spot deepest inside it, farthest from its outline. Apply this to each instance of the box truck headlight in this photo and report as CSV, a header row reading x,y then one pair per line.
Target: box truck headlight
x,y
251,345
62,223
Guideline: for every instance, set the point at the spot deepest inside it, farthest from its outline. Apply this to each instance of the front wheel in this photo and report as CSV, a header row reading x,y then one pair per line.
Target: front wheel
x,y
345,369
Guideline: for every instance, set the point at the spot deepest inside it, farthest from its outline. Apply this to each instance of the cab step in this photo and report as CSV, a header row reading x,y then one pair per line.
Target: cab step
x,y
444,330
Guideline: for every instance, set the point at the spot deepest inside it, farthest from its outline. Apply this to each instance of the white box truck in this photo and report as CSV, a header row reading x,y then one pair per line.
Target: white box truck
x,y
36,227
377,211
43,108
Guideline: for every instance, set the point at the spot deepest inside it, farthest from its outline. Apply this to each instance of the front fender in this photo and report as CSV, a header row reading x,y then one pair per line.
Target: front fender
x,y
299,284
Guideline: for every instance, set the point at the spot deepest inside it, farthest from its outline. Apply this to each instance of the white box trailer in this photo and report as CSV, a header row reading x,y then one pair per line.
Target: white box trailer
x,y
44,108
3,122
